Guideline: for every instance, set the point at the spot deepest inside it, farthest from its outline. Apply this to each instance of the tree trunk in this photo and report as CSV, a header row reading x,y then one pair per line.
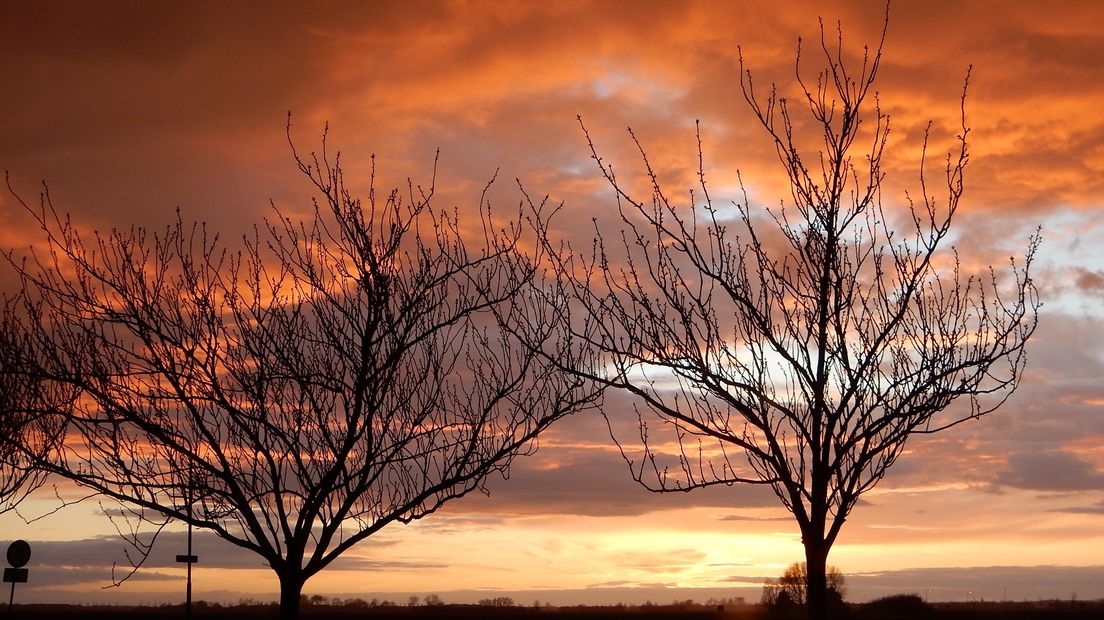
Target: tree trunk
x,y
291,592
816,581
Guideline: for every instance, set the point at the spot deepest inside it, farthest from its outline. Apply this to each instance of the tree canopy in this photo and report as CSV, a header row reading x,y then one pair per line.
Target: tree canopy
x,y
797,346
299,392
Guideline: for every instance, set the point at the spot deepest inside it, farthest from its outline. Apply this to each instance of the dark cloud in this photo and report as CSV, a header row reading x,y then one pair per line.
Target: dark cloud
x,y
738,517
987,582
191,102
749,578
578,470
1094,509
100,560
1057,403
104,550
1051,471
44,578
130,111
1090,281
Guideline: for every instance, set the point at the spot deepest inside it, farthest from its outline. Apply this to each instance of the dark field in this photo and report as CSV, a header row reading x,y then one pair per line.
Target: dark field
x,y
1067,610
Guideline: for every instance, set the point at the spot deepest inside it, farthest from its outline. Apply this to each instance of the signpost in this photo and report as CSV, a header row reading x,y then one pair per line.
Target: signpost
x,y
19,553
188,558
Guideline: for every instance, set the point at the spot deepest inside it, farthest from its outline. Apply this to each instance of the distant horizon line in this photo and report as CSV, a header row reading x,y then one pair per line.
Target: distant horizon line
x,y
934,584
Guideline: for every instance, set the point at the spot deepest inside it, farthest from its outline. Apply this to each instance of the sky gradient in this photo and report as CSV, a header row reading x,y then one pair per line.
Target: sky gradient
x,y
129,113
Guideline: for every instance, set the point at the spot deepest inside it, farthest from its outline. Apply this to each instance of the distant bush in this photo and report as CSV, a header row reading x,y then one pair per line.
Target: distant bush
x,y
784,608
897,607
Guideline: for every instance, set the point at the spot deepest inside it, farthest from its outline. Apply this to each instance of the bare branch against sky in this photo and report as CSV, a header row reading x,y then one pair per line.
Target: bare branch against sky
x,y
800,345
32,416
299,392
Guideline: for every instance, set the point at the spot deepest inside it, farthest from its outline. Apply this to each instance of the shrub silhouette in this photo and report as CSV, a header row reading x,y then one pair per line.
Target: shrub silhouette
x,y
897,607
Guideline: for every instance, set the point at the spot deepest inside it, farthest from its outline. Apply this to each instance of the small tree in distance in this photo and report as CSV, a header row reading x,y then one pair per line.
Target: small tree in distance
x,y
797,346
328,379
793,583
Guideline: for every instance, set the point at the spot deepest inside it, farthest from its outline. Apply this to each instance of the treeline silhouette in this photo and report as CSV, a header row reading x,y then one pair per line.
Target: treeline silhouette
x,y
896,607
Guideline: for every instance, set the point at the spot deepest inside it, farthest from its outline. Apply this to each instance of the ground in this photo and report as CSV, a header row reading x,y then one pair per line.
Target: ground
x,y
1062,610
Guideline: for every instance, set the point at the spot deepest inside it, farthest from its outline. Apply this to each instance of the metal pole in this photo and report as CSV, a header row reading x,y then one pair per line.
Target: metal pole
x,y
11,600
188,599
188,559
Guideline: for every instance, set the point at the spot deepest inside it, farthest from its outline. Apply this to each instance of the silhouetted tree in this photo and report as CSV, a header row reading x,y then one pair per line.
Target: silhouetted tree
x,y
297,395
793,583
798,346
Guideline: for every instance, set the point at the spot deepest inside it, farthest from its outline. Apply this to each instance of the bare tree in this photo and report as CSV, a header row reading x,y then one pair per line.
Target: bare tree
x,y
793,583
323,381
32,417
798,346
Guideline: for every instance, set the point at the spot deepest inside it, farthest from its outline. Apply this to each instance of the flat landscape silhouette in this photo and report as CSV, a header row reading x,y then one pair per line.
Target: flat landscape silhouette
x,y
876,610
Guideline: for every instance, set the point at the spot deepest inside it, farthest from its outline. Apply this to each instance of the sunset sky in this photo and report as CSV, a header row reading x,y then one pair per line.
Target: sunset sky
x,y
129,111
